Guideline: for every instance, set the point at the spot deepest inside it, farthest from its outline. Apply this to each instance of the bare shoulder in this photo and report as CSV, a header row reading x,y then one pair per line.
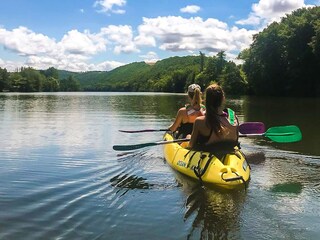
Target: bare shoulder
x,y
200,120
182,110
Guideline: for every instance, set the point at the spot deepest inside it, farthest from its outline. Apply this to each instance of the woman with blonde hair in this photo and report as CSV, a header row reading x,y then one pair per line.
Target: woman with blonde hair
x,y
186,116
217,126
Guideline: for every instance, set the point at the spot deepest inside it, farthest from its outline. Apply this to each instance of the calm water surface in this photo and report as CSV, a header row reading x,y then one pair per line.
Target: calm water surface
x,y
60,178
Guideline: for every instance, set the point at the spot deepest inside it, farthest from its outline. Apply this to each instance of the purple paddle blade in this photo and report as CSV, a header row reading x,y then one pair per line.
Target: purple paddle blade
x,y
252,128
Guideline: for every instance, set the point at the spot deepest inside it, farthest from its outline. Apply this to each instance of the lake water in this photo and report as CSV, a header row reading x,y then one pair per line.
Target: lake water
x,y
61,179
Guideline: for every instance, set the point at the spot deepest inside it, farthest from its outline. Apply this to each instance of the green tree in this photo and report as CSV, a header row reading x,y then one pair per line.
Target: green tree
x,y
202,57
70,84
221,62
51,84
284,59
32,80
50,72
17,82
4,79
232,81
211,70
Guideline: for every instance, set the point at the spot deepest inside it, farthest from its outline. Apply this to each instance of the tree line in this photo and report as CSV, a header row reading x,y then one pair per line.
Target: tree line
x,y
28,79
169,75
174,75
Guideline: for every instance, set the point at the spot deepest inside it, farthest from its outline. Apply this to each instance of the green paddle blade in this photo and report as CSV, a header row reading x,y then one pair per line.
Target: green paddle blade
x,y
284,134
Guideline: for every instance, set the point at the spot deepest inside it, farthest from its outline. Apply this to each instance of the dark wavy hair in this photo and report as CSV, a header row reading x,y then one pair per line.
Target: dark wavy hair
x,y
214,99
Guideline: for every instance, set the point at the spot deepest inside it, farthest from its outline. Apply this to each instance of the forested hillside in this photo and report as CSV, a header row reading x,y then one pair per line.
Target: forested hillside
x,y
163,76
284,59
168,75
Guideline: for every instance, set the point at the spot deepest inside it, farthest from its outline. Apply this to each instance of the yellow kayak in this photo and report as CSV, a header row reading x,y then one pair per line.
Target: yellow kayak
x,y
229,172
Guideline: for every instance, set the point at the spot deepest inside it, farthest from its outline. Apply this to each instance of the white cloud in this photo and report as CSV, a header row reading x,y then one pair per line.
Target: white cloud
x,y
121,37
144,40
129,48
267,11
107,65
251,20
71,63
111,6
75,42
150,57
25,42
274,8
194,34
241,38
71,53
10,65
190,9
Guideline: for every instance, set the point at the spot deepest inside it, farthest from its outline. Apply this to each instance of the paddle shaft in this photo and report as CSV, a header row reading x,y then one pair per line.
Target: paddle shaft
x,y
138,146
245,128
144,130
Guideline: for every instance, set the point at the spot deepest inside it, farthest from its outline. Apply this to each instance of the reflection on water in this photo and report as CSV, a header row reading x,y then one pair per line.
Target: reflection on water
x,y
256,158
291,187
60,178
129,182
213,213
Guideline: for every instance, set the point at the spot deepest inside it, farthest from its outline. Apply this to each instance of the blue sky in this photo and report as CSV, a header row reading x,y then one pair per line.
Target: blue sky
x,y
86,35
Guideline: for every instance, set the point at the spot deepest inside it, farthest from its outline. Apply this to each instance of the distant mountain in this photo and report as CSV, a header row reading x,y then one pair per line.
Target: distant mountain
x,y
168,75
134,76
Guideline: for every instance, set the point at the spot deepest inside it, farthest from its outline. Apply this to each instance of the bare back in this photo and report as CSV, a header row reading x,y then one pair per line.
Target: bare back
x,y
202,130
228,132
186,115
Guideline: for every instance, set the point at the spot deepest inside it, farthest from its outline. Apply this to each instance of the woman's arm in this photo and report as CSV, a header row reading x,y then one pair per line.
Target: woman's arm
x,y
177,122
194,134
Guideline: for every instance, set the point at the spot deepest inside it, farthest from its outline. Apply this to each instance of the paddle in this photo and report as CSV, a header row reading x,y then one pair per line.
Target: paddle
x,y
144,130
281,134
245,128
251,127
142,145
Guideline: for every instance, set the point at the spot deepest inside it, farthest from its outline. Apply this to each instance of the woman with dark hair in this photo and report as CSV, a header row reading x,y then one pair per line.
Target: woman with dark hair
x,y
188,114
217,126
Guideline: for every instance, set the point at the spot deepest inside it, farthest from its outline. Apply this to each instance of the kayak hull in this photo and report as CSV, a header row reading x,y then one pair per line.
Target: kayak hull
x,y
229,172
